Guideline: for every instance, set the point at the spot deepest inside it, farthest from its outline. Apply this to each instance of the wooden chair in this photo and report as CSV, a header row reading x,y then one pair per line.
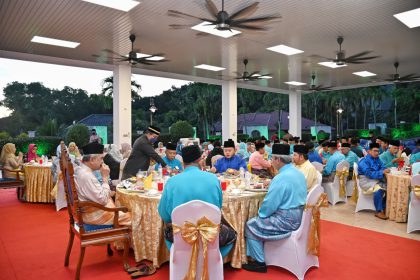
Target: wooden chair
x,y
89,235
9,183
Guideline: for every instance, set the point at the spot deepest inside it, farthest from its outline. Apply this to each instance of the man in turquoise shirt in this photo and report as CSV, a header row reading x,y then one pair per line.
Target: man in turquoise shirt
x,y
350,156
281,211
391,157
329,170
170,159
325,155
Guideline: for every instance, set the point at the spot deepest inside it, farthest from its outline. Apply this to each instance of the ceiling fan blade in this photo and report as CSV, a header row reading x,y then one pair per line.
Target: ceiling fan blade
x,y
174,13
364,58
255,20
249,27
212,8
247,11
143,61
409,77
111,51
355,61
104,57
180,26
202,34
359,54
254,73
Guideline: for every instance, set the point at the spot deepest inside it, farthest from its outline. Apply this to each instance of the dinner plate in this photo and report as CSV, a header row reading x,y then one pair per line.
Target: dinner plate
x,y
256,190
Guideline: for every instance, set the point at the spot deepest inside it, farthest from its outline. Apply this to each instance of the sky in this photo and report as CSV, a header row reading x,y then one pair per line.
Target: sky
x,y
58,76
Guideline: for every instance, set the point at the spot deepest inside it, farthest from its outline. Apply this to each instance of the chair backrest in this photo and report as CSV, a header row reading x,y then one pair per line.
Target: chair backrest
x,y
215,158
72,198
415,168
311,199
319,181
342,165
355,169
415,181
318,166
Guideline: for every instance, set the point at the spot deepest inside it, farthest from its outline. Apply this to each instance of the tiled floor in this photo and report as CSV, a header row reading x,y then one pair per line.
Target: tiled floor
x,y
344,213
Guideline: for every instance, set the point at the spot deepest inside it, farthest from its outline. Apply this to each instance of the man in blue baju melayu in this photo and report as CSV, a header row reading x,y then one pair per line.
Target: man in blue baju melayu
x,y
281,211
372,178
313,155
192,184
329,171
230,160
170,159
391,157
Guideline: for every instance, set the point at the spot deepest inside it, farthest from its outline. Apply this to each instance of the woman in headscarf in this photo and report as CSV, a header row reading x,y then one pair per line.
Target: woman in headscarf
x,y
125,150
113,159
9,160
74,150
32,155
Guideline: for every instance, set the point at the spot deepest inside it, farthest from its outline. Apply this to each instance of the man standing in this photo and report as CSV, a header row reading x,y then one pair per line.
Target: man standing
x,y
280,212
349,156
142,153
300,159
372,178
391,157
170,159
230,160
336,157
313,156
89,188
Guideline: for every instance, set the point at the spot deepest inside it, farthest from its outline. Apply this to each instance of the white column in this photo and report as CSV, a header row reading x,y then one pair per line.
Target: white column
x,y
229,93
122,104
295,113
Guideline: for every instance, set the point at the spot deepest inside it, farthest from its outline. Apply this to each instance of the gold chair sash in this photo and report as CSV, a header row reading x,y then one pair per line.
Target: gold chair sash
x,y
55,189
314,238
355,194
416,190
208,232
342,175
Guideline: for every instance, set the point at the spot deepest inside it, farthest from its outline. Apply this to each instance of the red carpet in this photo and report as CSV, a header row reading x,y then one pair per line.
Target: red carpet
x,y
33,240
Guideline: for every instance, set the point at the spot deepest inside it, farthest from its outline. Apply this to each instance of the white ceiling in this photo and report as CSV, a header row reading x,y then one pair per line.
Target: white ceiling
x,y
309,25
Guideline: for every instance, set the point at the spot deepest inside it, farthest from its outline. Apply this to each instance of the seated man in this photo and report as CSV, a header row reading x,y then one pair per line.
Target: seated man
x,y
349,156
89,188
383,144
415,156
170,159
258,164
313,156
281,211
301,162
355,147
391,157
329,170
192,184
230,160
323,152
217,150
372,178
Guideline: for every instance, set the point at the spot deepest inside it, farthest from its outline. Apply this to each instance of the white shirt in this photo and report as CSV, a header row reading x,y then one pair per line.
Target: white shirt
x,y
88,186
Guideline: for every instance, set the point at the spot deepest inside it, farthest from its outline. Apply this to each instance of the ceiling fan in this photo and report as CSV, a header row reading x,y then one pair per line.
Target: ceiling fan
x,y
396,78
341,59
315,88
133,58
223,21
254,76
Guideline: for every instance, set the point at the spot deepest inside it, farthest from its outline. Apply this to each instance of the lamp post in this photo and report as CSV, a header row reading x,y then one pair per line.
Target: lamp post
x,y
339,112
152,110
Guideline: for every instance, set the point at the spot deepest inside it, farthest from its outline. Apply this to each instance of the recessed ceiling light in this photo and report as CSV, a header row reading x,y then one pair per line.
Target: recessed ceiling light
x,y
54,42
410,18
331,64
294,83
209,67
262,76
364,74
284,50
122,5
153,58
207,27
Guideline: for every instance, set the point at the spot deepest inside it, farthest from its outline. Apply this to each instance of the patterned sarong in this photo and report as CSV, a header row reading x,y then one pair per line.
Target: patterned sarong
x,y
95,216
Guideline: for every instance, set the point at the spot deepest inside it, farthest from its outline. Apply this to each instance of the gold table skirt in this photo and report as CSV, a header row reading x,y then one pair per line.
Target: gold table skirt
x,y
147,226
398,191
38,183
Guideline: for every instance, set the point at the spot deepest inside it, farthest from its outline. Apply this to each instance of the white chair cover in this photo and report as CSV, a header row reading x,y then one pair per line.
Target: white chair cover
x,y
364,201
333,189
413,222
181,251
318,166
291,253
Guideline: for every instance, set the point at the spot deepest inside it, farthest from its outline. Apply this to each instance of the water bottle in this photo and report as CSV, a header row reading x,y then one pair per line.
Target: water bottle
x,y
242,173
160,171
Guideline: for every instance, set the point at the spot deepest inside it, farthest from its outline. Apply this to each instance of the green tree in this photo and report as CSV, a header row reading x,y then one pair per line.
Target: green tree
x,y
181,129
4,135
79,134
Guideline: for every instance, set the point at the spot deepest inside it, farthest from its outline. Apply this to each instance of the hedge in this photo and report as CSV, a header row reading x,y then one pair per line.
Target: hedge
x,y
47,145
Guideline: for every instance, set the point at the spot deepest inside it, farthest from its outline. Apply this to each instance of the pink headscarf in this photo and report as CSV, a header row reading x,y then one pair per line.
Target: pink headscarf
x,y
31,154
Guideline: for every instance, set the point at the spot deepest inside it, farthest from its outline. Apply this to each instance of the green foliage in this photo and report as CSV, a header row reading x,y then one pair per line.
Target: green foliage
x,y
4,135
23,135
46,145
406,131
48,128
242,137
79,134
165,138
306,136
181,129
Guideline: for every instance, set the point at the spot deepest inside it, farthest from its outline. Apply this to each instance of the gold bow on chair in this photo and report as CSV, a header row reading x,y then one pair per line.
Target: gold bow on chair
x,y
355,194
314,232
416,190
208,231
342,175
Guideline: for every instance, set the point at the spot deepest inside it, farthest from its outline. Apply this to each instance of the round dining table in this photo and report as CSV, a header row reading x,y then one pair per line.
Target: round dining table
x,y
38,182
398,192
